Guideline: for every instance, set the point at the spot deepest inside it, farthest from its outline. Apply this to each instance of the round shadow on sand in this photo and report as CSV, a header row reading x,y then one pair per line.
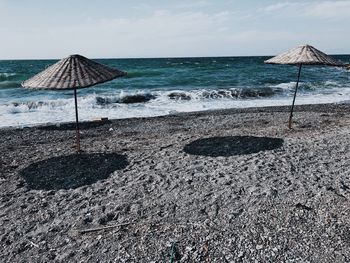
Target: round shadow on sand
x,y
72,171
232,145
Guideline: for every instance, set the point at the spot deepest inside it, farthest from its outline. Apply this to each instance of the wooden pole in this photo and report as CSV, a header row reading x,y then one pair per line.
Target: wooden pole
x,y
295,94
77,136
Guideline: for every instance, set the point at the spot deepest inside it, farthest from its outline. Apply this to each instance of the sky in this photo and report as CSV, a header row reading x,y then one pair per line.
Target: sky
x,y
39,29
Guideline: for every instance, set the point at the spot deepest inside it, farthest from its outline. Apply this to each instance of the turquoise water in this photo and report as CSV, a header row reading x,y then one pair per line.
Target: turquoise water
x,y
156,87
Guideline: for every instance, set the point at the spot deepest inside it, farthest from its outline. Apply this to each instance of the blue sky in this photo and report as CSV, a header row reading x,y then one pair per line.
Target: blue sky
x,y
156,28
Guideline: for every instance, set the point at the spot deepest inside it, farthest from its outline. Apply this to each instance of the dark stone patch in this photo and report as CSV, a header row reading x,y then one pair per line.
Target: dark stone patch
x,y
72,126
304,207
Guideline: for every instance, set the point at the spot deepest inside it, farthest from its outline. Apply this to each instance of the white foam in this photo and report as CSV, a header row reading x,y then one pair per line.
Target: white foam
x,y
285,86
4,74
62,110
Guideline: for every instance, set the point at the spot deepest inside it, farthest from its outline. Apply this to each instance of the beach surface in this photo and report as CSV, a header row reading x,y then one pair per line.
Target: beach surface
x,y
220,186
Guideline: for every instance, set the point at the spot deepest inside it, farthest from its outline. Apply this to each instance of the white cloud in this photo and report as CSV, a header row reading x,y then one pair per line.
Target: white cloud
x,y
330,9
165,24
277,7
142,6
192,4
316,9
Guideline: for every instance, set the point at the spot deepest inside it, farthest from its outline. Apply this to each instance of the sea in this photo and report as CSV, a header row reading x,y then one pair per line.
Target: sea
x,y
162,86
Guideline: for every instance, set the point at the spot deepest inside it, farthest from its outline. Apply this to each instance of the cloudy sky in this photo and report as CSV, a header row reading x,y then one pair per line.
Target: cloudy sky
x,y
171,28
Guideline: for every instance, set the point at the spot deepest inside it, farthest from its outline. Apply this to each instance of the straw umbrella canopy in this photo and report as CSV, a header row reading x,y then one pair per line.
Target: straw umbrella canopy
x,y
302,55
74,72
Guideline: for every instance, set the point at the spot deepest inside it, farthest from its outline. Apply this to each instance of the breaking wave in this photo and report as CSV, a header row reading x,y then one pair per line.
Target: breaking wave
x,y
160,97
155,103
10,84
7,76
127,99
222,94
181,95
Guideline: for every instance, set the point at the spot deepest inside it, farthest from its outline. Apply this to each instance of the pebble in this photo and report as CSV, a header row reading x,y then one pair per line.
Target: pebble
x,y
259,247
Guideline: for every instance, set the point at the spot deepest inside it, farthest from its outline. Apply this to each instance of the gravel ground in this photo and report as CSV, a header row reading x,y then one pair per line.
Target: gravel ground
x,y
218,186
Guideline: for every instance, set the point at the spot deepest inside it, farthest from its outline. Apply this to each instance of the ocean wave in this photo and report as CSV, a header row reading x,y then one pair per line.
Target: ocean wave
x,y
331,83
307,86
285,86
178,95
30,106
126,99
10,84
235,93
7,76
93,107
144,73
10,80
165,98
111,101
181,95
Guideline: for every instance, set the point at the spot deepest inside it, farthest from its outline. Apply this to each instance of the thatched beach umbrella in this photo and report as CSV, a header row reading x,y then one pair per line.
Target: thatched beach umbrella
x,y
74,72
302,55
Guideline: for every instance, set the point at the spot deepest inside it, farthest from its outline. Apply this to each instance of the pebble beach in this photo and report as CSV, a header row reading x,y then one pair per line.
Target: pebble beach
x,y
218,186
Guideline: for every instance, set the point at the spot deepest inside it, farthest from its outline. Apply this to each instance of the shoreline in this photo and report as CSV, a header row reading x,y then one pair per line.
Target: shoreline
x,y
229,185
283,108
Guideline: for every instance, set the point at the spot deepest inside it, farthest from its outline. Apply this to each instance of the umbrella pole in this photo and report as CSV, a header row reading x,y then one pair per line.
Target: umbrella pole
x,y
77,122
295,94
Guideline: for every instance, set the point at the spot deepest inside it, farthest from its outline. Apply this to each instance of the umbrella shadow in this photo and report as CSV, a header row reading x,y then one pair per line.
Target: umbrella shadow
x,y
232,145
72,171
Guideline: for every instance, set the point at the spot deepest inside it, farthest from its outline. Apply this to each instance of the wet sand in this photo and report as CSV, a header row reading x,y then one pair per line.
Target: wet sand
x,y
220,186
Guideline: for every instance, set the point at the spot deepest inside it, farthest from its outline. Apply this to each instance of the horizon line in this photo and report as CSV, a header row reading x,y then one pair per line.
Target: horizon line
x,y
165,57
